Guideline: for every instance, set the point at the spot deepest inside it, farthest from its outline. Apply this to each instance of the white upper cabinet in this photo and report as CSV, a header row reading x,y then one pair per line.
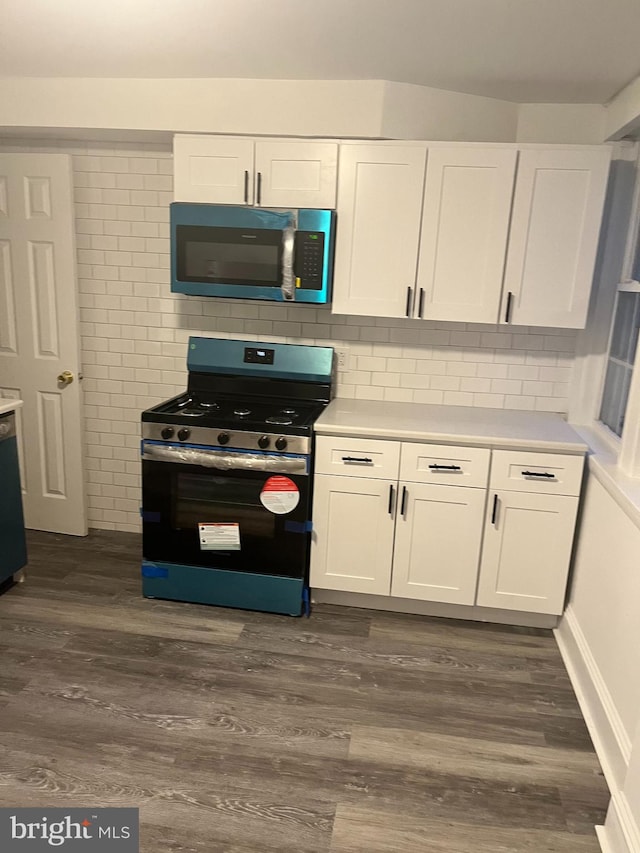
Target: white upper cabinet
x,y
266,173
379,206
557,210
213,169
465,224
306,172
504,235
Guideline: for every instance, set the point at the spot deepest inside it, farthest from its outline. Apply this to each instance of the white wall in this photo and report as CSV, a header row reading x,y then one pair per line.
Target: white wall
x,y
334,108
288,107
420,112
561,123
600,639
134,331
623,113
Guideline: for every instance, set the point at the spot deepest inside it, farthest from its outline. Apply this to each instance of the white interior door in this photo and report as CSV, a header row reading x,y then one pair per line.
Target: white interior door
x,y
39,336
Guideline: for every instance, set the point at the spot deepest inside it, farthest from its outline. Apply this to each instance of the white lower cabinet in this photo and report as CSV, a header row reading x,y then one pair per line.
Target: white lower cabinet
x,y
531,518
435,533
526,553
437,547
353,534
415,538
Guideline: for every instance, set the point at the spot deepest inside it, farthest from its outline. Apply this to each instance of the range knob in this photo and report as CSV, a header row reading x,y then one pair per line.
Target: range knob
x,y
167,432
183,434
281,442
263,441
223,438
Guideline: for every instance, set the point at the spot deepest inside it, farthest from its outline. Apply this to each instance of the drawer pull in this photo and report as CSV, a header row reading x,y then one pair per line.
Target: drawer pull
x,y
543,474
403,505
445,467
494,511
364,460
391,496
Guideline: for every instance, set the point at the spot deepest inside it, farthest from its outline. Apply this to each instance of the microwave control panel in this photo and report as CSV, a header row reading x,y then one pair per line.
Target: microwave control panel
x,y
308,264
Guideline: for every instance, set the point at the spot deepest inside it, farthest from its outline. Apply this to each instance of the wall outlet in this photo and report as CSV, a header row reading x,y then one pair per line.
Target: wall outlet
x,y
342,357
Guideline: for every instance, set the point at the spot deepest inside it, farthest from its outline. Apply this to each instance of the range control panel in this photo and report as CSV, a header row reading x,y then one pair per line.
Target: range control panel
x,y
308,259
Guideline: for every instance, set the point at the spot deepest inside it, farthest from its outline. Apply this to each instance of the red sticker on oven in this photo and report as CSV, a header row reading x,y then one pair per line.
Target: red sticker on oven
x,y
280,495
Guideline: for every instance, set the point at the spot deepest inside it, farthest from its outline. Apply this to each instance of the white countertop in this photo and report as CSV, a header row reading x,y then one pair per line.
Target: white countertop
x,y
9,405
506,428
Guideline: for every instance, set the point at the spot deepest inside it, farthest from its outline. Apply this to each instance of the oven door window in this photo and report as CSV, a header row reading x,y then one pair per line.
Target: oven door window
x,y
178,498
242,256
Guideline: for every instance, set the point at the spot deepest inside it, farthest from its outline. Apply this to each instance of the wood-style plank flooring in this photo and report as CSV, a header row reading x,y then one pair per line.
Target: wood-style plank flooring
x,y
238,732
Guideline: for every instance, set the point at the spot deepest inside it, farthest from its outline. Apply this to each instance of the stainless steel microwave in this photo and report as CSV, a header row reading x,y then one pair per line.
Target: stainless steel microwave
x,y
252,253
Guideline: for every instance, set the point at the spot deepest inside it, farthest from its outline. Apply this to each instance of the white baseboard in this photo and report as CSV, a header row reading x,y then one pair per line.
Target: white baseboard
x,y
620,832
611,742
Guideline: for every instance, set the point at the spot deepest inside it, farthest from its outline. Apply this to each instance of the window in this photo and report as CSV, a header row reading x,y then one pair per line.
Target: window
x,y
623,338
622,350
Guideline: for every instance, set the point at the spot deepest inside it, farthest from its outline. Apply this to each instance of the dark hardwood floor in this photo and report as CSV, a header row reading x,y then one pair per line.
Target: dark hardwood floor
x,y
238,732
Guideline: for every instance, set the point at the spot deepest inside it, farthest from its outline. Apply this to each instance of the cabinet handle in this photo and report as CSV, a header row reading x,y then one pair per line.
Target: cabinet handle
x,y
391,501
403,505
421,303
364,459
246,186
445,467
507,313
543,474
259,189
408,308
494,511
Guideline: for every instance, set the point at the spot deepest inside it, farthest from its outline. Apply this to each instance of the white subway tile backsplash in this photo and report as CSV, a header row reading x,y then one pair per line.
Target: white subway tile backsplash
x,y
475,384
506,386
457,398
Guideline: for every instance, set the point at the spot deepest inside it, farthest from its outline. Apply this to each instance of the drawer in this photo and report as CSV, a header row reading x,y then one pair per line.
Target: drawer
x,y
357,457
447,465
547,473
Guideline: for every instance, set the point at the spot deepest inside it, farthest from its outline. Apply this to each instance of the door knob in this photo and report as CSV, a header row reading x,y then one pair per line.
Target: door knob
x,y
66,377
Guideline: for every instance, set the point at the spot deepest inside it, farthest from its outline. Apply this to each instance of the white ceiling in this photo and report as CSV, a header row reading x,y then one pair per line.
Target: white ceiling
x,y
520,50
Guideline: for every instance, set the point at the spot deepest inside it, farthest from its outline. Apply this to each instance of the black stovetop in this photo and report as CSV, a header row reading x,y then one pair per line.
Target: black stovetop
x,y
237,413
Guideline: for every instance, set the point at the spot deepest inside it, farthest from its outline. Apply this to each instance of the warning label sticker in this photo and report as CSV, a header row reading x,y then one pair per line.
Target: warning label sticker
x,y
219,537
280,495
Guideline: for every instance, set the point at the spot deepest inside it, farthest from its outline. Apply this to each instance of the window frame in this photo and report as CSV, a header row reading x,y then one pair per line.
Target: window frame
x,y
619,242
627,286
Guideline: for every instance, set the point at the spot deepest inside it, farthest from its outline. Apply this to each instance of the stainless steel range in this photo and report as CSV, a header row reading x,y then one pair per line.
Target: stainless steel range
x,y
226,476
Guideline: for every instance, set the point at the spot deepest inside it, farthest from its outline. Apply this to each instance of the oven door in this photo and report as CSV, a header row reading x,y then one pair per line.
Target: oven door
x,y
232,510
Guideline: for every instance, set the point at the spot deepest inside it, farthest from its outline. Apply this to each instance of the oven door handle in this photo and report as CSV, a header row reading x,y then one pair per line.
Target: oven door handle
x,y
224,460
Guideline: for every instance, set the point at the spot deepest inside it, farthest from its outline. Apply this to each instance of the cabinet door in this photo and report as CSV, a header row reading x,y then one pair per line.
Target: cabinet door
x,y
557,211
379,206
465,224
213,169
526,552
438,541
296,174
352,542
